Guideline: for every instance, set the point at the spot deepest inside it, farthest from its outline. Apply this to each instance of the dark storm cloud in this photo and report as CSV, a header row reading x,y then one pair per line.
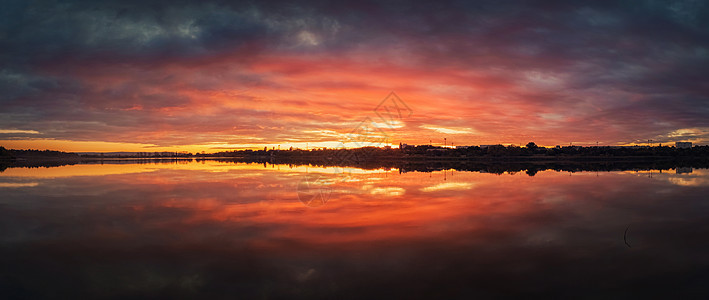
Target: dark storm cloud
x,y
36,32
48,29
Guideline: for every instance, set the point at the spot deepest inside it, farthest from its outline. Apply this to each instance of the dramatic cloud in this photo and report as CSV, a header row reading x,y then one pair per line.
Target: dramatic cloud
x,y
222,74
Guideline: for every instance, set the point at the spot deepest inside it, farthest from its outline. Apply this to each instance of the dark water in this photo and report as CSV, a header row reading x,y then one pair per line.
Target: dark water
x,y
246,231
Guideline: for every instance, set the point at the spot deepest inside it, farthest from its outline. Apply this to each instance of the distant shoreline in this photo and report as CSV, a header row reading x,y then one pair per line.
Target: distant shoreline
x,y
421,158
496,165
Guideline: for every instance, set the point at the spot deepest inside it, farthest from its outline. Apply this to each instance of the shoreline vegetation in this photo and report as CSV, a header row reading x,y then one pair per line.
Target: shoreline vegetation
x,y
492,159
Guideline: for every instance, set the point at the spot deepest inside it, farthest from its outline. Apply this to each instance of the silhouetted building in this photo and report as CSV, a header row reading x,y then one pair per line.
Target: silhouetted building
x,y
683,170
683,145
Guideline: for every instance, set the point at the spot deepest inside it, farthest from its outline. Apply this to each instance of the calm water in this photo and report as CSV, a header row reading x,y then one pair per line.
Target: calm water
x,y
244,231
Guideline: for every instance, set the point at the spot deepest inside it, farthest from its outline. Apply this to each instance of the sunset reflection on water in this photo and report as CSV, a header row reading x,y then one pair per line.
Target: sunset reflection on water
x,y
209,229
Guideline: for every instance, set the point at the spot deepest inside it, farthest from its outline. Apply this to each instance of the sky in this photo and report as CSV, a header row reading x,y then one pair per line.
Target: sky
x,y
155,75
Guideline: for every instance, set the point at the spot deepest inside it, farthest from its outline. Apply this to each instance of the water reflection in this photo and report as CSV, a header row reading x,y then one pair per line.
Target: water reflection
x,y
225,230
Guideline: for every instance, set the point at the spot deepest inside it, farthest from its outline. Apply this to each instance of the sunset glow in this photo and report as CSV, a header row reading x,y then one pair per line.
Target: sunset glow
x,y
160,76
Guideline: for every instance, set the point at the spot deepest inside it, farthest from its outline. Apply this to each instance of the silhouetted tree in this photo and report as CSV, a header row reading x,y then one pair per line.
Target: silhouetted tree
x,y
531,171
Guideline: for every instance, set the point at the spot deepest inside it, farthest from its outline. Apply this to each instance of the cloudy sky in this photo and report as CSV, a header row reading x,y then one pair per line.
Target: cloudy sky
x,y
150,75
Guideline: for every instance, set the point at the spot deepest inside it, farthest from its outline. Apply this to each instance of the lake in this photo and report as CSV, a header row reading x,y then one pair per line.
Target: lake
x,y
226,230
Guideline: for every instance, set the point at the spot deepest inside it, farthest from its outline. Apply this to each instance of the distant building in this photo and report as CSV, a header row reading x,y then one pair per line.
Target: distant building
x,y
683,145
684,170
486,146
462,147
403,146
